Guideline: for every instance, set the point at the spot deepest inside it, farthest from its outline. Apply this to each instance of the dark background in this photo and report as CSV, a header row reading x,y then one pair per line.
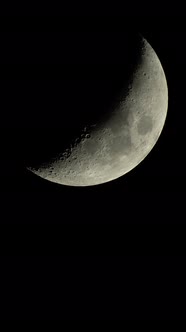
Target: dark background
x,y
113,251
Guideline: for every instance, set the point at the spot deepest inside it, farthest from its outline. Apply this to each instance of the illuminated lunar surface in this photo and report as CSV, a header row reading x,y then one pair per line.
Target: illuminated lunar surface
x,y
120,140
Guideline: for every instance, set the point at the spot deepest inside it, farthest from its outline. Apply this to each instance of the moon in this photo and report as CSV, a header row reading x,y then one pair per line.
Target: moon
x,y
118,141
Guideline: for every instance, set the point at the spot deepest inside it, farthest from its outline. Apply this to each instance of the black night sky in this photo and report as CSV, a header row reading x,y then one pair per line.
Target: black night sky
x,y
113,251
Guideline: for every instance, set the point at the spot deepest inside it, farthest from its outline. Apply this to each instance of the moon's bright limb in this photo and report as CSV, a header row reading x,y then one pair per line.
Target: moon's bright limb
x,y
122,139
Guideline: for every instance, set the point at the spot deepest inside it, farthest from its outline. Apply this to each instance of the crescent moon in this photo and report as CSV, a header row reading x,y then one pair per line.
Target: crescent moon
x,y
119,141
